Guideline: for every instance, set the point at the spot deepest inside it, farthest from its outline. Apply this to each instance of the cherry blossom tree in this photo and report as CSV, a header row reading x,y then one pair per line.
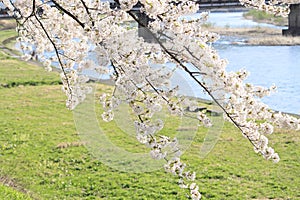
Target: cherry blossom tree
x,y
67,33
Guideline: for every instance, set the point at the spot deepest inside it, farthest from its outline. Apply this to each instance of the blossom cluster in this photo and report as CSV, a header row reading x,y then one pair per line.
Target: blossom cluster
x,y
79,35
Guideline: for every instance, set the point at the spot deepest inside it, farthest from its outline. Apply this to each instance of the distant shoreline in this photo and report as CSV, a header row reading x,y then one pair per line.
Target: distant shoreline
x,y
262,36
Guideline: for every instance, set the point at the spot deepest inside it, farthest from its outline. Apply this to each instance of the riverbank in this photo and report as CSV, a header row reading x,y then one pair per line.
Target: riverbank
x,y
257,36
263,17
239,30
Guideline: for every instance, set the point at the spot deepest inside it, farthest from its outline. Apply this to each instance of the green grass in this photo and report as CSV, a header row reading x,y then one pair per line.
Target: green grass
x,y
9,193
261,16
34,121
19,73
8,35
5,34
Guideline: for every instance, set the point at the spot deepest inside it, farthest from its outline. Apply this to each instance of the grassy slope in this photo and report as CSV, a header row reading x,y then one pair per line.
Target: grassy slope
x,y
34,120
26,74
10,193
6,34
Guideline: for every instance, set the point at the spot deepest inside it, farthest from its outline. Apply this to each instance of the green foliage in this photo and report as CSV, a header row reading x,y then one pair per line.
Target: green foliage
x,y
208,25
261,16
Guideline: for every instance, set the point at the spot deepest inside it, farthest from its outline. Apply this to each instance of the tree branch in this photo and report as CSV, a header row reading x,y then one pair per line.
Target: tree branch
x,y
191,75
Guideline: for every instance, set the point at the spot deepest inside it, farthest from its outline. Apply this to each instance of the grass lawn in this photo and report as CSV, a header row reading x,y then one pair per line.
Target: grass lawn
x,y
17,73
9,193
35,126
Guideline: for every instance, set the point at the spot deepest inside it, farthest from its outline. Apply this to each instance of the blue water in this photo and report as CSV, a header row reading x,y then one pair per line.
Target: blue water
x,y
279,65
268,65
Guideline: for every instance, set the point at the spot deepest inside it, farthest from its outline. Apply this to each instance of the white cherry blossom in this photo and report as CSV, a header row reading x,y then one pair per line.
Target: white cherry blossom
x,y
70,31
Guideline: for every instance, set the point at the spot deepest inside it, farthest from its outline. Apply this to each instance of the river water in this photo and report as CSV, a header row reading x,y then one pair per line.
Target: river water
x,y
279,65
268,65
